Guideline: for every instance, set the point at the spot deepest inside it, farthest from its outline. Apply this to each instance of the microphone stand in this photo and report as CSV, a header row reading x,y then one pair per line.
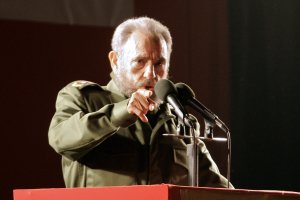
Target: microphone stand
x,y
193,128
193,153
208,135
193,134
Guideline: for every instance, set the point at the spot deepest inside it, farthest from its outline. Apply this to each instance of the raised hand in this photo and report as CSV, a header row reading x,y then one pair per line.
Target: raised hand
x,y
140,103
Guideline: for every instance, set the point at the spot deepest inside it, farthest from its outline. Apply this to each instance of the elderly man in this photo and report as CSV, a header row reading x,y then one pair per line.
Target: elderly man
x,y
112,135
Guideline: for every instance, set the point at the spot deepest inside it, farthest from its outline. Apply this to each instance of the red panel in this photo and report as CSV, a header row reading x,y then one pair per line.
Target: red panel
x,y
152,192
108,193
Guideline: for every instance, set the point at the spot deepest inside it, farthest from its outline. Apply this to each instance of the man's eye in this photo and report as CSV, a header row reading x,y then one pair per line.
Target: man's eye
x,y
158,64
140,61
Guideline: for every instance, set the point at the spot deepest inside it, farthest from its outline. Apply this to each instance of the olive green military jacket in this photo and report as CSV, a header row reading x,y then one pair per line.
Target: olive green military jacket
x,y
103,145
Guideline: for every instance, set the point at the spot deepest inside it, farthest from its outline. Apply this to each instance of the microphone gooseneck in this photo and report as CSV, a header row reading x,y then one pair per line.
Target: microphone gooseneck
x,y
187,97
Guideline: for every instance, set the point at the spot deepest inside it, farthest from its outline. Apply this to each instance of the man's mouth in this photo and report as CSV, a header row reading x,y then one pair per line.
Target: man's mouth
x,y
149,87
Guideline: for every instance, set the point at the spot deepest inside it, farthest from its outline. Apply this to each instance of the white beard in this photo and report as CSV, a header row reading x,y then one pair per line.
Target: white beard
x,y
127,87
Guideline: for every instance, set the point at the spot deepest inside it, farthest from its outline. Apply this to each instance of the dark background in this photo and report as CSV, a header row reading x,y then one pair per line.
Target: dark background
x,y
240,57
264,77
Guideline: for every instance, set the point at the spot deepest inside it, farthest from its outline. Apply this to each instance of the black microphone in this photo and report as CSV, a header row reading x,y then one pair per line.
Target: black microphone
x,y
187,97
166,91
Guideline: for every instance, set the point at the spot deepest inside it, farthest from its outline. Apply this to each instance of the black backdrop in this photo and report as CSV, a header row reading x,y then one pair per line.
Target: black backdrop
x,y
265,80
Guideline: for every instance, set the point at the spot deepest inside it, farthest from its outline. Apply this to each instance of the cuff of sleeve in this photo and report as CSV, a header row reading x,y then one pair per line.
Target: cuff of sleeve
x,y
120,117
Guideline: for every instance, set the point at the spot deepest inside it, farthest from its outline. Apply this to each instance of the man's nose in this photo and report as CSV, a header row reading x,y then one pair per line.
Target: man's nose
x,y
149,71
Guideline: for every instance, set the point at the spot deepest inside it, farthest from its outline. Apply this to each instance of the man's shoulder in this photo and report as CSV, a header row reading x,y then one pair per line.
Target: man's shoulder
x,y
91,90
82,84
82,87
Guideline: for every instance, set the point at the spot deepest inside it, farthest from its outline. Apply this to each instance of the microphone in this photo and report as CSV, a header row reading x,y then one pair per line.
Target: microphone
x,y
187,97
166,91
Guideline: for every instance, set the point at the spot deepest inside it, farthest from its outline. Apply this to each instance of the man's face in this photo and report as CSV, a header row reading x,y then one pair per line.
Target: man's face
x,y
144,61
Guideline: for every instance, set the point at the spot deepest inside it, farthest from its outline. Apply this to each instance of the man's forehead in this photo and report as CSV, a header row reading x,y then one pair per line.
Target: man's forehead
x,y
141,44
141,37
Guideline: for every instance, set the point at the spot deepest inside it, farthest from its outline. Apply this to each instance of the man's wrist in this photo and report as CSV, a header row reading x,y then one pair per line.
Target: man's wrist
x,y
120,117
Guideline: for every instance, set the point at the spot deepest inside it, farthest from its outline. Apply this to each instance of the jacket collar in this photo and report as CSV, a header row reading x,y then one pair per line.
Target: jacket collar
x,y
115,92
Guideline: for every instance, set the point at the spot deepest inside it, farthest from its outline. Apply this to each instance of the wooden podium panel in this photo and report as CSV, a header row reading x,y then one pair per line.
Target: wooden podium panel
x,y
151,192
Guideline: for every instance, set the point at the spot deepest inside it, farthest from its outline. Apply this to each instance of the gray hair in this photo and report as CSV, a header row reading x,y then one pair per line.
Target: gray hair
x,y
144,24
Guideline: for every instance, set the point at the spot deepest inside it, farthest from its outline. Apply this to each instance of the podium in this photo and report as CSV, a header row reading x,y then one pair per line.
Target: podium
x,y
151,192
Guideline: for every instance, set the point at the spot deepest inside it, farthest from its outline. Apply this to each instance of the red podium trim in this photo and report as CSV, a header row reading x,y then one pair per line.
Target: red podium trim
x,y
151,192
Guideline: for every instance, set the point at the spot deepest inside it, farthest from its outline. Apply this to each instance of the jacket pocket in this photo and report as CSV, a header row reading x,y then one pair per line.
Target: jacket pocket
x,y
180,157
179,170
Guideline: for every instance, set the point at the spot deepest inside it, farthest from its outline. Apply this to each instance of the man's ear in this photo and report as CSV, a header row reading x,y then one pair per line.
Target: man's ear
x,y
113,59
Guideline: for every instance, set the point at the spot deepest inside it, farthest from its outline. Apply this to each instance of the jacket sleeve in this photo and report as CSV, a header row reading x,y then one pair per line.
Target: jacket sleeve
x,y
209,174
74,131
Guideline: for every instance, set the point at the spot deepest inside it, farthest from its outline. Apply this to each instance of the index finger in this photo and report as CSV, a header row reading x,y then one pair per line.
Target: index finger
x,y
145,93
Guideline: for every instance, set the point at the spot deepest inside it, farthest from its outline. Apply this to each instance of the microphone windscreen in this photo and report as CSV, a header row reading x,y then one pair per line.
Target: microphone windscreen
x,y
184,92
163,88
